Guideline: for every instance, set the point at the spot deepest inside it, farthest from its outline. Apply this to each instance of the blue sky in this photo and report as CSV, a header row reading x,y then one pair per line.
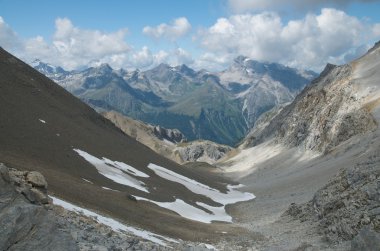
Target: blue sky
x,y
201,33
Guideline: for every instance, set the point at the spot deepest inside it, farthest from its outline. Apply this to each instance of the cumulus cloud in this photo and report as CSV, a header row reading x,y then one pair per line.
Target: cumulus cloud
x,y
71,47
178,28
306,43
77,46
255,5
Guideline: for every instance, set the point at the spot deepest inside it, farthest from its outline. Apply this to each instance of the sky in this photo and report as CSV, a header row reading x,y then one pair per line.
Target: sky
x,y
204,34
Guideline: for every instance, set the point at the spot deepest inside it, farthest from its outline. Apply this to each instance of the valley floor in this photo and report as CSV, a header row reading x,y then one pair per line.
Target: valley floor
x,y
286,179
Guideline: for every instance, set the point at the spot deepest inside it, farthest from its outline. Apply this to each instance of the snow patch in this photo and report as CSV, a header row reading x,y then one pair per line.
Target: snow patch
x,y
107,188
87,181
211,247
193,213
127,168
116,171
231,197
115,225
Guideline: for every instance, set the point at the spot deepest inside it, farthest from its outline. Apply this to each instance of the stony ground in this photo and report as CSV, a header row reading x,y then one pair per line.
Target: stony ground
x,y
28,221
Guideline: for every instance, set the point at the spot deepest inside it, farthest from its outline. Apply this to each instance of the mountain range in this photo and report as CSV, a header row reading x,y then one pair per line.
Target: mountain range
x,y
220,107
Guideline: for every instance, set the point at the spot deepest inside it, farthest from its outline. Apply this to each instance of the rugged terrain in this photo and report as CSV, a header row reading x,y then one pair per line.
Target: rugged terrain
x,y
29,221
314,165
212,106
170,143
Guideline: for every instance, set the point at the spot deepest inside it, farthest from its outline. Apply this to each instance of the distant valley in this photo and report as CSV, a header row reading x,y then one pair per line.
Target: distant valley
x,y
220,107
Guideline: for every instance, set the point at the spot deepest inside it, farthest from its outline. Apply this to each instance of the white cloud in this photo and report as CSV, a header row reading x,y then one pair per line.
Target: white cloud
x,y
71,47
145,59
310,42
240,6
178,28
213,61
8,38
79,46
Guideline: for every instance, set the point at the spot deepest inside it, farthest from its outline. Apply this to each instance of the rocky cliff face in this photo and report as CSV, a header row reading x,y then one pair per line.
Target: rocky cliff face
x,y
24,223
331,110
263,86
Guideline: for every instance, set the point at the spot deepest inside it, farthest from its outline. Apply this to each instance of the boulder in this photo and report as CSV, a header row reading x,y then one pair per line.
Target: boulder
x,y
36,179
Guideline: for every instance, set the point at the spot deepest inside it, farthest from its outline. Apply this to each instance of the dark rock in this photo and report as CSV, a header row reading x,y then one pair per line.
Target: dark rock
x,y
132,198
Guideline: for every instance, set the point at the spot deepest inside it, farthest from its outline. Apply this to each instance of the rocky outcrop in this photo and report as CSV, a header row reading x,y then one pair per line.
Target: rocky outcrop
x,y
24,223
348,207
170,143
327,113
171,135
201,151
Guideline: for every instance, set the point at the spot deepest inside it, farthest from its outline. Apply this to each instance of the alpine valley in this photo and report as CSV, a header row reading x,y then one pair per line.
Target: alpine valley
x,y
220,107
306,175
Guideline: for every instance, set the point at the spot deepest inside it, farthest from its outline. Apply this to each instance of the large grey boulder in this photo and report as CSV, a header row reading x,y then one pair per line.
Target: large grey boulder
x,y
26,226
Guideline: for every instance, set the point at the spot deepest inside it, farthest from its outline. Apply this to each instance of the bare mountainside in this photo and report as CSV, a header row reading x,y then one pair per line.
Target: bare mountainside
x,y
170,143
314,165
89,162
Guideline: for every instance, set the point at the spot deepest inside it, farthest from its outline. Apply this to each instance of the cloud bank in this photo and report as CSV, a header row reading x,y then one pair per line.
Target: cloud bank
x,y
308,43
72,47
311,42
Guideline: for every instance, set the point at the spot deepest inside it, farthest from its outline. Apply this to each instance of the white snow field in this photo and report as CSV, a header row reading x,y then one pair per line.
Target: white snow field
x,y
119,173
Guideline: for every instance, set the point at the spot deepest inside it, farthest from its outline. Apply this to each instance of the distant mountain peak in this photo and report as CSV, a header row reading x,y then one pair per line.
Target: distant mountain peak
x,y
241,60
185,70
163,66
46,68
105,66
